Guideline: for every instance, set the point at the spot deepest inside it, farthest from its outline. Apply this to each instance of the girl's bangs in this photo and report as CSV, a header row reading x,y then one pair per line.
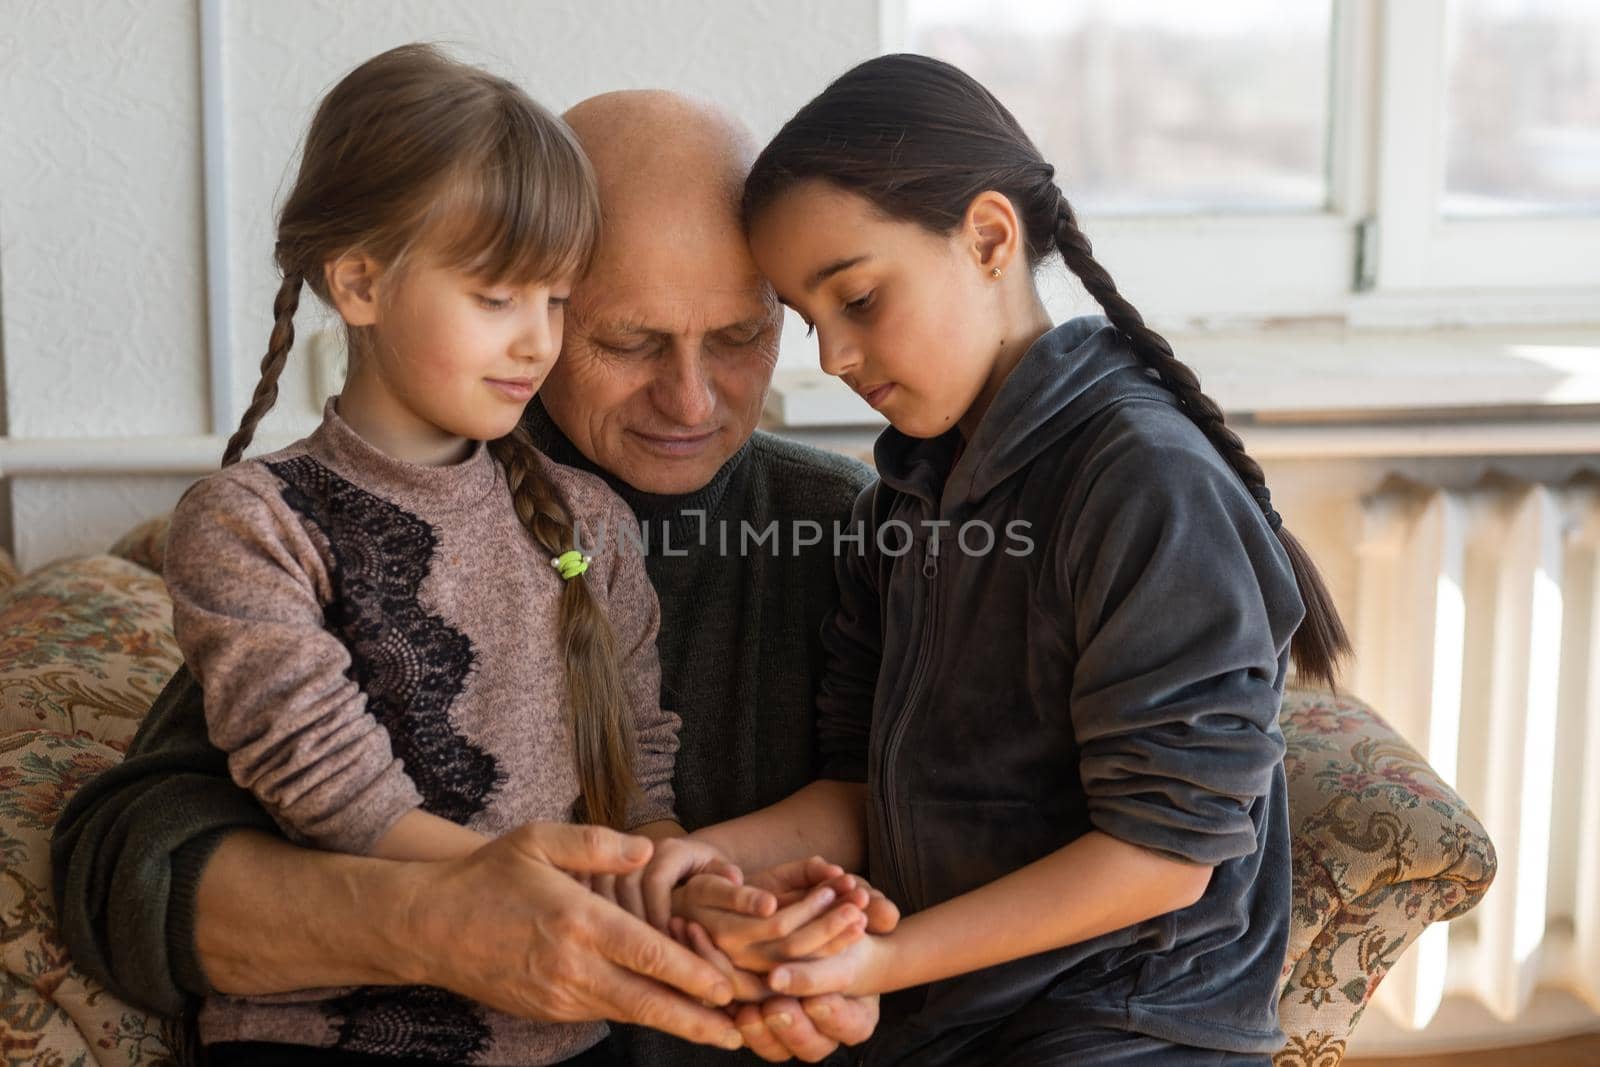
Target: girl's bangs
x,y
528,211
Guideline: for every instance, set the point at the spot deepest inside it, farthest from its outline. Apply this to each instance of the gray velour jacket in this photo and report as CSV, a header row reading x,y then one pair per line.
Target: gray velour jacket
x,y
1079,622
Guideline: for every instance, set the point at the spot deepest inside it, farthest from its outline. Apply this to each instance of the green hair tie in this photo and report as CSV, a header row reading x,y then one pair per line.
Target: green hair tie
x,y
571,563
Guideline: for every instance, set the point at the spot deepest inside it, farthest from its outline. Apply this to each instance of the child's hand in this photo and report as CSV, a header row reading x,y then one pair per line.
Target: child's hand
x,y
882,914
816,924
647,892
857,971
748,987
789,882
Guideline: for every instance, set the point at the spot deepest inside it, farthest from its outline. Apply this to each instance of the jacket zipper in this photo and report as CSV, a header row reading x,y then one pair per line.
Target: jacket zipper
x,y
930,572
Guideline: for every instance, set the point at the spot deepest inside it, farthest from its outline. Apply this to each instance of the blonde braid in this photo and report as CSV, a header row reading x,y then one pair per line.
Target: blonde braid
x,y
602,721
278,346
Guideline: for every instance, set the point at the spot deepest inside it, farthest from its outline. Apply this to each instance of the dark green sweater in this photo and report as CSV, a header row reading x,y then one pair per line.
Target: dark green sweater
x,y
740,662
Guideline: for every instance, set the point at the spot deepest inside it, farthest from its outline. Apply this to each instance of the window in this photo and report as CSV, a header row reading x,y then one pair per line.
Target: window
x,y
1522,108
1488,169
1392,161
1200,143
1156,106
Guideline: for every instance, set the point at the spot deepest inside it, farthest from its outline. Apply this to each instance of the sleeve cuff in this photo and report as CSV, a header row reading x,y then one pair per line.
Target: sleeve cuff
x,y
188,862
1205,839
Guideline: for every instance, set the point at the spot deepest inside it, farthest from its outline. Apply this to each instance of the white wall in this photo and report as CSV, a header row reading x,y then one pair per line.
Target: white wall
x,y
102,232
100,242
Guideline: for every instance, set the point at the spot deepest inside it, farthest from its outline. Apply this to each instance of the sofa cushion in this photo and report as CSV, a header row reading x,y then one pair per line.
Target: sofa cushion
x,y
85,646
145,544
51,1015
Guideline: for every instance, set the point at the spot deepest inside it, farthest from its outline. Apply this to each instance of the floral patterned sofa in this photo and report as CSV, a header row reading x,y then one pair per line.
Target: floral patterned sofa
x,y
85,646
1382,847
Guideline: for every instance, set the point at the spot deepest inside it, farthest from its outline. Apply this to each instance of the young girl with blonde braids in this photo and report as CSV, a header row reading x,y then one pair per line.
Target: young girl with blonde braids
x,y
1061,758
400,647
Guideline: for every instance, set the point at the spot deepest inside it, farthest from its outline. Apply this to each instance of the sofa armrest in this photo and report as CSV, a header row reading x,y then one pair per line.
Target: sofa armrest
x,y
8,571
145,544
50,1011
1381,848
85,646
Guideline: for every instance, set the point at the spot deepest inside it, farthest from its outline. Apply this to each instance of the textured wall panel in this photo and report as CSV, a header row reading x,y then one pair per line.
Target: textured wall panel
x,y
760,58
56,517
100,226
101,223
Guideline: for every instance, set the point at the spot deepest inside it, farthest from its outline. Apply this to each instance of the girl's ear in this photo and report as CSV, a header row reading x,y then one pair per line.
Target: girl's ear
x,y
993,230
353,285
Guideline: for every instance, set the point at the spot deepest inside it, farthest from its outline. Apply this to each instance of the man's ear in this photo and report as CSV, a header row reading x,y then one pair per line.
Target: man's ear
x,y
353,285
993,229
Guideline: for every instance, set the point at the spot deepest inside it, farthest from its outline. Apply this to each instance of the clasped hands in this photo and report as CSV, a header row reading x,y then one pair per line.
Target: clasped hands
x,y
804,928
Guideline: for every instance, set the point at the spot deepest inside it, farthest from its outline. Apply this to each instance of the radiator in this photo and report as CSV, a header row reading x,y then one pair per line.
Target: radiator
x,y
1477,637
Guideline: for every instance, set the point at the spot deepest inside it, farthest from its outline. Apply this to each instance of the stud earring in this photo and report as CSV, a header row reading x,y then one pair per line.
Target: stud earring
x,y
994,272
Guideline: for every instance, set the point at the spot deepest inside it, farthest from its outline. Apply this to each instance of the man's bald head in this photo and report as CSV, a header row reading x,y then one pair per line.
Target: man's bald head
x,y
671,337
656,151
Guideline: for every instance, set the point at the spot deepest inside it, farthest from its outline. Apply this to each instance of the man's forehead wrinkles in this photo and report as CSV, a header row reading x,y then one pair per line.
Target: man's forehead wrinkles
x,y
620,314
750,288
643,326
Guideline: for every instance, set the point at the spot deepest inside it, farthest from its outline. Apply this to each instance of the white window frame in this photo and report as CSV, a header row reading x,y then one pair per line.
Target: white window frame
x,y
1209,271
1417,247
1380,254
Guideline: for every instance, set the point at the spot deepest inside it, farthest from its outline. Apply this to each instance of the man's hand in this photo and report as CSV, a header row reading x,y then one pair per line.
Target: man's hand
x,y
783,1028
811,1028
510,927
779,1028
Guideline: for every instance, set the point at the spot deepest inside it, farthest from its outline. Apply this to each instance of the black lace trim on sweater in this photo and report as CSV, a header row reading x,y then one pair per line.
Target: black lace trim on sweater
x,y
409,662
410,1021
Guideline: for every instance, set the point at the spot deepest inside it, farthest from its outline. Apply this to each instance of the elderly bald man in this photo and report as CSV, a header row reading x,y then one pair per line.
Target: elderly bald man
x,y
173,883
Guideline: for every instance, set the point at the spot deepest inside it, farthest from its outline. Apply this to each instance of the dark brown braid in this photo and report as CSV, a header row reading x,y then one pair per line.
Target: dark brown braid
x,y
597,701
1321,641
919,140
278,346
1152,348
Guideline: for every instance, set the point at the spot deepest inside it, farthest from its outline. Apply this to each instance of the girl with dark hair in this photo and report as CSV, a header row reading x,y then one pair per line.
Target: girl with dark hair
x,y
1050,709
400,646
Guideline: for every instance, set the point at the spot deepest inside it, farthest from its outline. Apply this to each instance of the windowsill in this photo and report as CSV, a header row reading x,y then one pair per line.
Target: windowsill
x,y
1323,377
1301,394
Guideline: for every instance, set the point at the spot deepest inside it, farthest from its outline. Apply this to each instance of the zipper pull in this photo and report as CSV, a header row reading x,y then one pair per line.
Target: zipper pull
x,y
930,561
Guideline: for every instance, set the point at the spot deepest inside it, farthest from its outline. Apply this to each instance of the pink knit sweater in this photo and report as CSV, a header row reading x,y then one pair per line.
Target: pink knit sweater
x,y
372,636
